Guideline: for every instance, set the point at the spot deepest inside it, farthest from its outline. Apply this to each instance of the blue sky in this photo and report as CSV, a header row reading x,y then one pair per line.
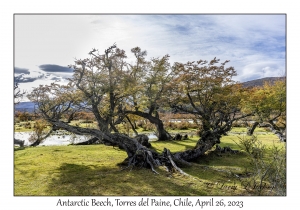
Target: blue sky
x,y
46,44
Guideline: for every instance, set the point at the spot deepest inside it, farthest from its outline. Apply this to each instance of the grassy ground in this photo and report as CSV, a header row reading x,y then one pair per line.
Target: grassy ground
x,y
96,170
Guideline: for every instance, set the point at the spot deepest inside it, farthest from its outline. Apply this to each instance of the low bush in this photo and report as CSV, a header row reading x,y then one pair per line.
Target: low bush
x,y
170,125
27,125
185,125
148,127
238,124
268,167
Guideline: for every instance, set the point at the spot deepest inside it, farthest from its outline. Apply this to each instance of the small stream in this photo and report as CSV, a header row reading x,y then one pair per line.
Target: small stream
x,y
62,138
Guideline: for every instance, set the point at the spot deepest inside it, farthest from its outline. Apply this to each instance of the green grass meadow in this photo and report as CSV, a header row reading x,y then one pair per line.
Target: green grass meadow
x,y
96,170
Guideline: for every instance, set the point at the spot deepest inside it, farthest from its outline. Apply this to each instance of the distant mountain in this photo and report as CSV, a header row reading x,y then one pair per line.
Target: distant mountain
x,y
260,82
25,106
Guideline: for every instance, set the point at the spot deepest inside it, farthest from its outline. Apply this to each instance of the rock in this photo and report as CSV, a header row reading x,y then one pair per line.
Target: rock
x,y
19,142
177,137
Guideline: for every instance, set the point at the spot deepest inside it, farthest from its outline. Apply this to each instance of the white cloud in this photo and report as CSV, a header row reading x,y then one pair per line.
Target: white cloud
x,y
250,42
260,69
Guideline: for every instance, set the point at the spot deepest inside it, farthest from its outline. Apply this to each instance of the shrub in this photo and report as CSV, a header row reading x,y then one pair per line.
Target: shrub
x,y
140,123
39,131
183,125
194,125
238,124
148,127
17,120
268,174
170,125
27,125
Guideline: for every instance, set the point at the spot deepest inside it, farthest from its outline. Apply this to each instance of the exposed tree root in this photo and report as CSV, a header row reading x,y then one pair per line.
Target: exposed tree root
x,y
169,157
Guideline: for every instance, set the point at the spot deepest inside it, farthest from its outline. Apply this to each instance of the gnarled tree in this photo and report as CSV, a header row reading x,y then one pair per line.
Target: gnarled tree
x,y
98,82
52,106
52,102
148,87
268,102
207,91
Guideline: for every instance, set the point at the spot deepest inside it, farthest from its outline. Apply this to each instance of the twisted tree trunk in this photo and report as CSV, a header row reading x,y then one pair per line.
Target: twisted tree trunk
x,y
205,143
162,134
141,156
277,131
252,128
88,142
132,126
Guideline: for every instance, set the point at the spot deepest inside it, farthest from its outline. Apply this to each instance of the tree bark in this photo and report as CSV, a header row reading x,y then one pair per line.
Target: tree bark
x,y
141,156
162,134
132,126
143,140
252,128
88,142
205,143
122,140
279,133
